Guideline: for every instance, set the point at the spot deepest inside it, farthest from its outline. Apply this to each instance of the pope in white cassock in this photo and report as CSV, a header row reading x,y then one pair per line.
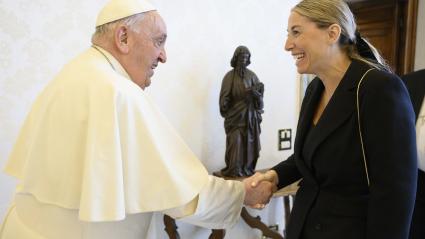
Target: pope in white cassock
x,y
95,157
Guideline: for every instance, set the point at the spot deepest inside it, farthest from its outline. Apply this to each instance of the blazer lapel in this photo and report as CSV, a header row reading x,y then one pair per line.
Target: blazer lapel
x,y
341,106
311,98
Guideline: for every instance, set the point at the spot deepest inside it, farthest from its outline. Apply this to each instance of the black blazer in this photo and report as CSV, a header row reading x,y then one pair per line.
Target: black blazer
x,y
334,200
415,83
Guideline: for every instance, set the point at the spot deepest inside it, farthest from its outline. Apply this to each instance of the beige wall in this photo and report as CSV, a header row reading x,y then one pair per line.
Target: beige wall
x,y
37,37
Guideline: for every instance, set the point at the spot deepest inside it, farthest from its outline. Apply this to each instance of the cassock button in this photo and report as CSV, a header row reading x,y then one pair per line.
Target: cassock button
x,y
318,226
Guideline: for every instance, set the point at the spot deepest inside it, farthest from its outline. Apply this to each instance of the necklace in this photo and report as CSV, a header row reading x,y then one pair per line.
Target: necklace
x,y
103,54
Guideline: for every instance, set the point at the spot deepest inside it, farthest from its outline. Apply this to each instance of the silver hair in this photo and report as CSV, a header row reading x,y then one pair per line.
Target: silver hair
x,y
106,30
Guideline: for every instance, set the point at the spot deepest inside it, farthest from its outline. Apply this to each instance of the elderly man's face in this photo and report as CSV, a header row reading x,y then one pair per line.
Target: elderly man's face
x,y
147,49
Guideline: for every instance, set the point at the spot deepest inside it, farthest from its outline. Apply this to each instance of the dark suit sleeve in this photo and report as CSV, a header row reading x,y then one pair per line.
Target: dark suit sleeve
x,y
415,83
388,128
287,172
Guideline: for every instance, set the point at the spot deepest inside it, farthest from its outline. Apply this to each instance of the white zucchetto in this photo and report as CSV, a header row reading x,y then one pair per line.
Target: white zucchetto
x,y
118,9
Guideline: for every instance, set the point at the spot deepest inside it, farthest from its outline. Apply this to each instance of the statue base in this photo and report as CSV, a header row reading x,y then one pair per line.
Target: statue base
x,y
221,175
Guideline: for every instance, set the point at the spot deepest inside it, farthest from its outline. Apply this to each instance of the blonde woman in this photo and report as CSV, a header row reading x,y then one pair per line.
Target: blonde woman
x,y
358,177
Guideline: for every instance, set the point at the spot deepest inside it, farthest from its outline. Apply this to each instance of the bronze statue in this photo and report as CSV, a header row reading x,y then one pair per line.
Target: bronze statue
x,y
241,105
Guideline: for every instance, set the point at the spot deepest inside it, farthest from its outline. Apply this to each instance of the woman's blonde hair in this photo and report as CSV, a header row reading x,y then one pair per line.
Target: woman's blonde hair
x,y
327,12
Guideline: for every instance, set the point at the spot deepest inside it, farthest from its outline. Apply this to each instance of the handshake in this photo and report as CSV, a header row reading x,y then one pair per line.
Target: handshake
x,y
259,188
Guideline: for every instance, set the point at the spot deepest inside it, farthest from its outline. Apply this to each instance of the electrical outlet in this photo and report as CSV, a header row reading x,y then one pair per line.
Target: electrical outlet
x,y
284,139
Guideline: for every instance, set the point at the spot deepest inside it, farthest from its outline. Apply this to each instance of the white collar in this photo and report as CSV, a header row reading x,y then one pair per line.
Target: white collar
x,y
112,61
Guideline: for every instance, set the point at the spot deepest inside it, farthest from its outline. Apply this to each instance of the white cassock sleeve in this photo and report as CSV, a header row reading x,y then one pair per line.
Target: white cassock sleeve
x,y
217,206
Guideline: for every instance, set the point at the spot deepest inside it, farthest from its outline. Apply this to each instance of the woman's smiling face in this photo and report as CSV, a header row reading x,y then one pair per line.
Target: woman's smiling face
x,y
307,43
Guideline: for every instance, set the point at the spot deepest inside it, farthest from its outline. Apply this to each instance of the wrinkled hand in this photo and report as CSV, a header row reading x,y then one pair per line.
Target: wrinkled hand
x,y
259,196
258,191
